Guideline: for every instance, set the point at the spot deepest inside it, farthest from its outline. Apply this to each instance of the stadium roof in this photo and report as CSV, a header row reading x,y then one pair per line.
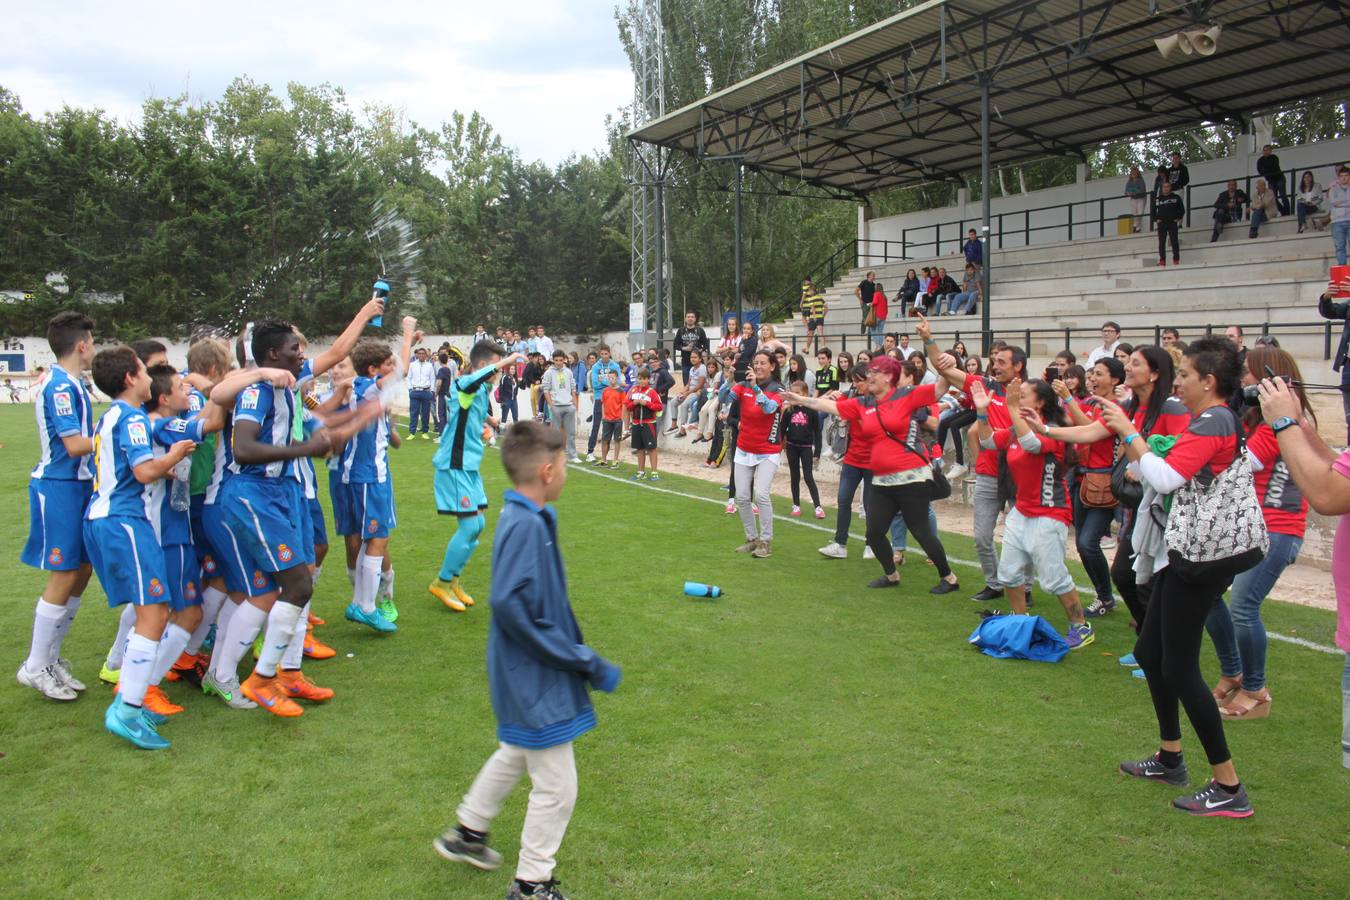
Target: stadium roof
x,y
898,103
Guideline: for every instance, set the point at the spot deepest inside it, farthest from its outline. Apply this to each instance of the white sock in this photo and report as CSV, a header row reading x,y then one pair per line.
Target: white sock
x,y
63,627
295,653
281,625
368,582
140,659
230,647
387,583
227,611
47,618
119,645
170,646
213,600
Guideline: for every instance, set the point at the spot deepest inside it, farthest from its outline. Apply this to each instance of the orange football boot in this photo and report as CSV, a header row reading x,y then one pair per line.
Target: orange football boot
x,y
295,684
317,649
270,696
158,702
315,620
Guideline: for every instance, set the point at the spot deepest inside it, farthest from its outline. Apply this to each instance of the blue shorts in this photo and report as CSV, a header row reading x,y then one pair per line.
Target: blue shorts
x,y
266,517
229,560
341,498
373,508
206,560
459,492
56,524
318,527
128,560
183,576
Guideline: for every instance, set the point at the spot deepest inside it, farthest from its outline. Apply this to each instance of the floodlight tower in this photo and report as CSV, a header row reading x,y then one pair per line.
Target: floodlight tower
x,y
649,276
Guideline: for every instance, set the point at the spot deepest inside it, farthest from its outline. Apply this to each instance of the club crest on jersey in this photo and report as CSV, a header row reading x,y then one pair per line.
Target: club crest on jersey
x,y
156,588
137,434
284,553
208,565
190,591
464,502
259,579
55,557
61,399
249,398
374,526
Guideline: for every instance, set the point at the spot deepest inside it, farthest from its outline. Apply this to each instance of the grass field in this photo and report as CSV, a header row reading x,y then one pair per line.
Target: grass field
x,y
802,737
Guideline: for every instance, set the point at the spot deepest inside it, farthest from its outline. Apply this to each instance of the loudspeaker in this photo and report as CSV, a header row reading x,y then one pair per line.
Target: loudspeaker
x,y
1170,44
1205,42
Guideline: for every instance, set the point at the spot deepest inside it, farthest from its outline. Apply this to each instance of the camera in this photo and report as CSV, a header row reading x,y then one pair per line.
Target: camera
x,y
1251,394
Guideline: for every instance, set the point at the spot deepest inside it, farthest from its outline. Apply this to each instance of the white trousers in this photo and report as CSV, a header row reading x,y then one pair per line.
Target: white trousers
x,y
553,796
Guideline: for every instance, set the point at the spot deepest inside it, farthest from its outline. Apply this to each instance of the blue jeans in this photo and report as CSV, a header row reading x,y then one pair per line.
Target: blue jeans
x,y
962,303
877,331
419,410
1090,525
849,479
1340,235
1240,637
1258,219
900,533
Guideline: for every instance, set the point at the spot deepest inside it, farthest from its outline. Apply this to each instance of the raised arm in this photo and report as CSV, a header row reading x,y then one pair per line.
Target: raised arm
x,y
347,340
1310,461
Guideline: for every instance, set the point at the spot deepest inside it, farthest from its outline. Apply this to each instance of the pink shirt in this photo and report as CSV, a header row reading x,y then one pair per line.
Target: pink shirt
x,y
1340,566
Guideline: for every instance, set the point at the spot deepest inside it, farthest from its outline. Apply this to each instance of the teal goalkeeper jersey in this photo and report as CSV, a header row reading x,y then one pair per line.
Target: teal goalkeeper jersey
x,y
461,443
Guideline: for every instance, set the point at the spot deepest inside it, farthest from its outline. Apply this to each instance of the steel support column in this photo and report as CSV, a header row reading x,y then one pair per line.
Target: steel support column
x,y
739,311
985,178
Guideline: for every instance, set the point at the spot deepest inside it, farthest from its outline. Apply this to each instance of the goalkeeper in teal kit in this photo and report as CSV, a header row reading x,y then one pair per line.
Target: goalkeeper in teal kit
x,y
458,484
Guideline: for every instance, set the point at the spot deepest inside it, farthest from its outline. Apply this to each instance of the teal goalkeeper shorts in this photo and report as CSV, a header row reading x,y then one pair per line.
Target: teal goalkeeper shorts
x,y
459,492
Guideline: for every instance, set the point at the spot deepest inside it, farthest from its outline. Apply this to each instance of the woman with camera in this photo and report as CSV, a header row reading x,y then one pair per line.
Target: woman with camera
x,y
758,400
1193,471
902,475
1236,630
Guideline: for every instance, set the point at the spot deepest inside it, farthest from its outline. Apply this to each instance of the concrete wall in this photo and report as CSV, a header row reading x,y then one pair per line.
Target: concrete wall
x,y
1088,199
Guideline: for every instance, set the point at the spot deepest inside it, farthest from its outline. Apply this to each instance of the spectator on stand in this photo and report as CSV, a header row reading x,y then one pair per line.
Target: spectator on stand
x,y
1158,181
1123,352
1263,207
445,376
1268,167
973,249
1338,204
758,399
689,398
947,289
813,314
1110,341
543,344
1074,379
1308,200
909,290
689,338
731,336
964,301
797,370
1037,527
421,394
957,415
1136,191
600,371
864,294
801,442
1324,479
1228,208
854,468
827,374
901,471
880,310
906,351
746,352
558,390
1169,212
1178,176
768,340
579,371
643,404
1168,648
1236,630
706,421
612,400
480,333
1172,338
928,282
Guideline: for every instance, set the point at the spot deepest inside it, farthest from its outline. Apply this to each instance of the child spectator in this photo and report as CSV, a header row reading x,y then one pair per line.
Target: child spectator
x,y
801,437
644,405
611,427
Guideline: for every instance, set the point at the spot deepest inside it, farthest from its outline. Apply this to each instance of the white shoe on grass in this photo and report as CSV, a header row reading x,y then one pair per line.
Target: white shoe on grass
x,y
46,682
834,550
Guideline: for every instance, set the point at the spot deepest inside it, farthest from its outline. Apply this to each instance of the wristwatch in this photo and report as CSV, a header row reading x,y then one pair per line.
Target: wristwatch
x,y
1282,423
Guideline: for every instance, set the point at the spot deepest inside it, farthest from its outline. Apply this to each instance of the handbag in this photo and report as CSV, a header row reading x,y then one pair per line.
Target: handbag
x,y
871,318
1215,532
1128,492
939,488
1094,489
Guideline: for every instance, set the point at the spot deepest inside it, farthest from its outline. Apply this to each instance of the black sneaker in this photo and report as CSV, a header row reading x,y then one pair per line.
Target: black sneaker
x,y
478,854
1099,607
944,587
987,594
545,890
1153,770
1213,800
881,581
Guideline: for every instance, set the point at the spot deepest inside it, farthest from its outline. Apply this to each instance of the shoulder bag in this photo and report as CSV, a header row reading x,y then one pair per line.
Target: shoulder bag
x,y
939,488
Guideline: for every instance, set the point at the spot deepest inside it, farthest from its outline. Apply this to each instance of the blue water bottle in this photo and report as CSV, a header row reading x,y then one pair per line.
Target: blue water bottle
x,y
381,288
699,589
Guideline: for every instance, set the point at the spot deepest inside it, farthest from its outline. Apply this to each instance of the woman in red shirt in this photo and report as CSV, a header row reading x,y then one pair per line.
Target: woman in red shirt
x,y
758,442
1036,529
1168,648
901,475
853,468
1239,638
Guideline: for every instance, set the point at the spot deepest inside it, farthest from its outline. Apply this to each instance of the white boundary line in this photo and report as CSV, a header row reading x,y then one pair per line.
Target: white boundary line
x,y
1288,639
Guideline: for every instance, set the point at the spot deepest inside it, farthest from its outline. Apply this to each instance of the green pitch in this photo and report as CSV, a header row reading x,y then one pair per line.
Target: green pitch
x,y
801,737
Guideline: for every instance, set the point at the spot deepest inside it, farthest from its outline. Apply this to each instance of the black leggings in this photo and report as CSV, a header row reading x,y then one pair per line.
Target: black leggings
x,y
799,465
882,502
952,423
1122,574
1167,231
1168,650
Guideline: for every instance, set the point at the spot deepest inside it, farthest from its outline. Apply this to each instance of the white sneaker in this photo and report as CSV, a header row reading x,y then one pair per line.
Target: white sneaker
x,y
229,691
590,457
834,550
955,472
868,554
731,507
62,670
45,682
1108,542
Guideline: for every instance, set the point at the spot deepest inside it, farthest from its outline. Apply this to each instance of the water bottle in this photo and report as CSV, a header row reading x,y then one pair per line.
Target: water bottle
x,y
381,288
180,496
699,589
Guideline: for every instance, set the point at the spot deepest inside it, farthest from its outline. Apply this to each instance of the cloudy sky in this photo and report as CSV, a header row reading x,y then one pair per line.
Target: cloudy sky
x,y
544,72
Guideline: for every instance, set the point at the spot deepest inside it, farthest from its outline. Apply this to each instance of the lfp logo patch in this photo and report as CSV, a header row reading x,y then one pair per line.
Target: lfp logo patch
x,y
62,401
137,434
156,588
55,557
249,399
284,553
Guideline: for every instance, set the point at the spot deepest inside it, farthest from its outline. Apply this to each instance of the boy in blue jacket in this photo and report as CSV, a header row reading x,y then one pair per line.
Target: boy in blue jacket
x,y
539,672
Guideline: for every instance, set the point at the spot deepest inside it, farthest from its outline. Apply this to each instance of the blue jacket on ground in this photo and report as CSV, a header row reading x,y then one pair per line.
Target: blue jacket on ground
x,y
1020,637
539,669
